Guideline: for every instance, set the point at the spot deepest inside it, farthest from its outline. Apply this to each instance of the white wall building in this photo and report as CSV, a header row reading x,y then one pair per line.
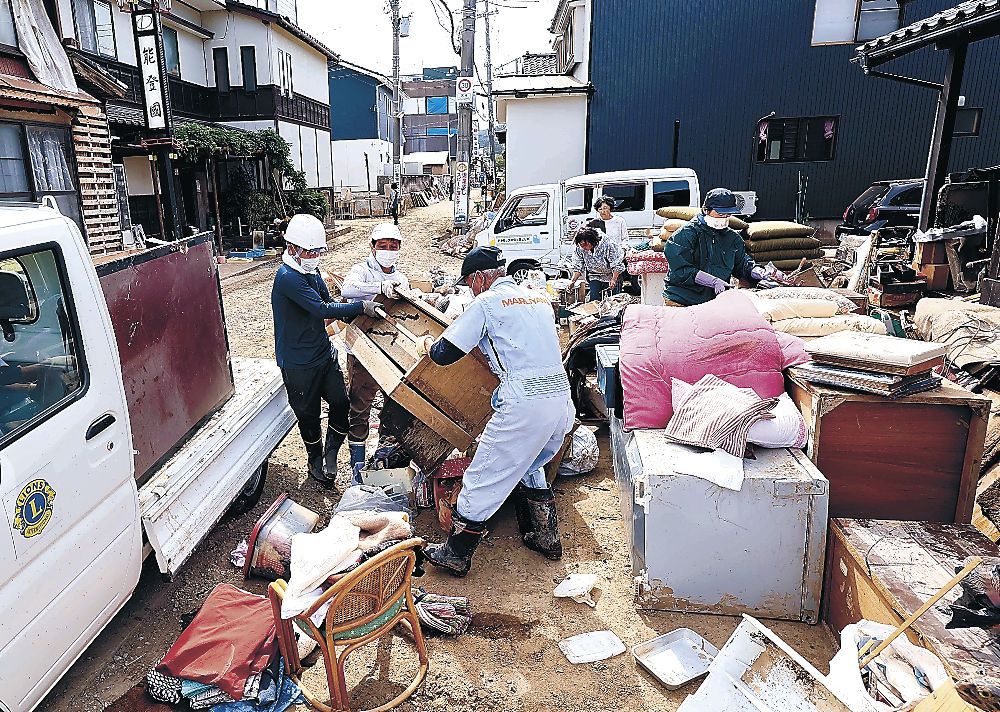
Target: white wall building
x,y
542,111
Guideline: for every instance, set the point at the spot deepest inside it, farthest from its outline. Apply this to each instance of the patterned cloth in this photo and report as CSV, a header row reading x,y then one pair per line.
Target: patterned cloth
x,y
163,688
605,260
717,415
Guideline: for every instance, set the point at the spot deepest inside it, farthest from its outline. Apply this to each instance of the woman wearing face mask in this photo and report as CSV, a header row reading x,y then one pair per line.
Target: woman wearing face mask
x,y
706,254
366,280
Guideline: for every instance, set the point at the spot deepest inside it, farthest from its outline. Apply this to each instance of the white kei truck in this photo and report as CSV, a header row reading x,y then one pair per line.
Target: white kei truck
x,y
534,227
125,429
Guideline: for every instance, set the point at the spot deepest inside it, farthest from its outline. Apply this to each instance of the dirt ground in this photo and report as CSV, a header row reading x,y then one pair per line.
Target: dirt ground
x,y
509,660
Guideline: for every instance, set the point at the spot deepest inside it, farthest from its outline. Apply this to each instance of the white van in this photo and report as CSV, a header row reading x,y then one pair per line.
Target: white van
x,y
535,225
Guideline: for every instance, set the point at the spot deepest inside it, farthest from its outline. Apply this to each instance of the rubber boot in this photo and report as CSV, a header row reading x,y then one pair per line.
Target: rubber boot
x,y
525,523
357,461
314,453
330,452
544,535
455,555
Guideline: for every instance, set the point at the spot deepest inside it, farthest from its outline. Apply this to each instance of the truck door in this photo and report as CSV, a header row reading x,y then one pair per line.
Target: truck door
x,y
524,230
70,549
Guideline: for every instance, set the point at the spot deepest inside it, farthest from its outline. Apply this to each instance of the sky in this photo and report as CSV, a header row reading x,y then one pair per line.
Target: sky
x,y
361,32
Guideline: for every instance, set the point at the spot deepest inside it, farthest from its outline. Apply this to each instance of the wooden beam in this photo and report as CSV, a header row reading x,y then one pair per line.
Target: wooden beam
x,y
944,128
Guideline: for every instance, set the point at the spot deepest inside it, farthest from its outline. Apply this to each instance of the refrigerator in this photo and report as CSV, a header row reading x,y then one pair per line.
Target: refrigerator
x,y
700,548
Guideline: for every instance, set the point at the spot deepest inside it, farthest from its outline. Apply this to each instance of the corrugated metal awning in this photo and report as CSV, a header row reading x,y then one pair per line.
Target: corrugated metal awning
x,y
967,22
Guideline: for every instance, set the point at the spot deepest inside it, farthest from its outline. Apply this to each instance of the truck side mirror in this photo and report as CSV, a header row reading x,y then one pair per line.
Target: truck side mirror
x,y
14,303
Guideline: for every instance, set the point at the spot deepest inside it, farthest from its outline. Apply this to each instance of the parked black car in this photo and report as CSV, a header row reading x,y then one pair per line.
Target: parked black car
x,y
886,203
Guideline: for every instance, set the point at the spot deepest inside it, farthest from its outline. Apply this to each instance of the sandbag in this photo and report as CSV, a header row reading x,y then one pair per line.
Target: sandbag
x,y
656,244
686,212
765,257
673,225
773,229
783,243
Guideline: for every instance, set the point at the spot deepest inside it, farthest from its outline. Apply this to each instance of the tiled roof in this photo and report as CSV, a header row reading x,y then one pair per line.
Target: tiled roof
x,y
541,63
964,17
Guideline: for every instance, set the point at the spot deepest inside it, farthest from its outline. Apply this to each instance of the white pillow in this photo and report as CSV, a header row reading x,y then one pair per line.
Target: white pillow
x,y
786,429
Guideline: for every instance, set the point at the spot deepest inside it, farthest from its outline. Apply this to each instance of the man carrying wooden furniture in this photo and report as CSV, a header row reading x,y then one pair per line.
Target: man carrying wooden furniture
x,y
301,303
365,281
533,410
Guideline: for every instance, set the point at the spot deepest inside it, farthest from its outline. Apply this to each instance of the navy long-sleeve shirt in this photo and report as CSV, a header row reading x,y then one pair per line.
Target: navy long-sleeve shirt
x,y
301,303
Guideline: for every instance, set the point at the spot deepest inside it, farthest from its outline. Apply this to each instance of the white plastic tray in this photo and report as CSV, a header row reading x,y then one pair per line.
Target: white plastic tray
x,y
676,658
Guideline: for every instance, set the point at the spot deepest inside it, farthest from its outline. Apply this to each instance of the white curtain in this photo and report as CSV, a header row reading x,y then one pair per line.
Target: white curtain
x,y
38,40
48,159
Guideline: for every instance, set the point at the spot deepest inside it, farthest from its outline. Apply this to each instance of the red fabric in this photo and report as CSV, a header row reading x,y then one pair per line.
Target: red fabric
x,y
230,639
725,337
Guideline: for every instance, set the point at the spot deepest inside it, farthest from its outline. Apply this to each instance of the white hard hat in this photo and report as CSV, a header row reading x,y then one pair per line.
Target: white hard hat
x,y
306,231
386,231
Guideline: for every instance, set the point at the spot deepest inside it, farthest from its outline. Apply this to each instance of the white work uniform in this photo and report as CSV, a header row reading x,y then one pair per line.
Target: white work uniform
x,y
364,280
515,328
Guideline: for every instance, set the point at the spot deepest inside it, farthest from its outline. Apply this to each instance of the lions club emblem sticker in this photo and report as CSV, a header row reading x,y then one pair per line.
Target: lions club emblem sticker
x,y
33,508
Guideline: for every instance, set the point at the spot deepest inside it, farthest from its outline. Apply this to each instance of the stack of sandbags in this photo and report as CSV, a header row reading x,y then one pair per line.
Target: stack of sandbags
x,y
676,218
785,244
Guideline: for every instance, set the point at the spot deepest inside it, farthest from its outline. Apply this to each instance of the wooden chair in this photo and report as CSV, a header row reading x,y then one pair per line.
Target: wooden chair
x,y
365,604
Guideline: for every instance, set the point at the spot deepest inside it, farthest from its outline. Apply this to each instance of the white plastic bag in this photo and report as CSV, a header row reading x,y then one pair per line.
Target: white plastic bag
x,y
577,587
582,455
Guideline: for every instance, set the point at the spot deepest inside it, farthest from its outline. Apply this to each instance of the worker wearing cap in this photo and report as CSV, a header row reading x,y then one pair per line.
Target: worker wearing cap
x,y
533,410
301,304
365,281
706,254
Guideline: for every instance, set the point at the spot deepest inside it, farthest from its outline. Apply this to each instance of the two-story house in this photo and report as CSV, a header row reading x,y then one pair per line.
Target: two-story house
x,y
242,64
361,125
54,138
766,95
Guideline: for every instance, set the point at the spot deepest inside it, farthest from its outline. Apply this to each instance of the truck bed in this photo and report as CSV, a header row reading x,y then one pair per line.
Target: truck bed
x,y
188,495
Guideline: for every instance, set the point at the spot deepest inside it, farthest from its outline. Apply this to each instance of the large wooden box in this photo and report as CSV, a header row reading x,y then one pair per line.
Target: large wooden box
x,y
883,571
437,408
916,458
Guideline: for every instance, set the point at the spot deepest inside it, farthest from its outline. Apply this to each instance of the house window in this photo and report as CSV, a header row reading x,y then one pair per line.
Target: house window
x,y
668,193
8,34
13,168
967,122
36,161
849,21
812,138
171,54
220,64
285,72
437,105
94,26
248,63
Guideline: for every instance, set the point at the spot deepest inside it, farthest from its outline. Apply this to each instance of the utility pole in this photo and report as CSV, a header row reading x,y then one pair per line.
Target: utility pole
x,y
396,121
463,164
489,100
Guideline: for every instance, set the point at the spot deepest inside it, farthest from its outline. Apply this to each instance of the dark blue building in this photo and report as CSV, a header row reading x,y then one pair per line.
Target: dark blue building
x,y
719,66
360,103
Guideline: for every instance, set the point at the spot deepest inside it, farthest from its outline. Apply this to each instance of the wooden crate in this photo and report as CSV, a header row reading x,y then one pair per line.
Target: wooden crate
x,y
916,458
453,402
884,570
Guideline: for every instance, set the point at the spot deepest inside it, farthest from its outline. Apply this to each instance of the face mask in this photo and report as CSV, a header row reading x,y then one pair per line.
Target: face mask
x,y
309,265
386,258
717,223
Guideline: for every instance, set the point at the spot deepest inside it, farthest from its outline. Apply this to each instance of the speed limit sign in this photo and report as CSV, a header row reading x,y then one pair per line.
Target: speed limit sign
x,y
464,90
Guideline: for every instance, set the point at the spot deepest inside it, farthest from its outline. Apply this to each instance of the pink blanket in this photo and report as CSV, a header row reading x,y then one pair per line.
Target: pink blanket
x,y
726,337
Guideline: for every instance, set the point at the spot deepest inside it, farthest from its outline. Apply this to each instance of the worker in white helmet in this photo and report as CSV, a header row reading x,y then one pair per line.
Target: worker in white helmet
x,y
378,274
302,304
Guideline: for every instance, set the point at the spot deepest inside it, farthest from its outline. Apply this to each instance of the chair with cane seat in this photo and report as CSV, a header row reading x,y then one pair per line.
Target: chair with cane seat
x,y
365,604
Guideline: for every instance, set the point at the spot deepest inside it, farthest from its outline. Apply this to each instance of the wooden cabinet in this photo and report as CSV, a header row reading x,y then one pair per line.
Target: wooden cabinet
x,y
883,571
916,458
440,408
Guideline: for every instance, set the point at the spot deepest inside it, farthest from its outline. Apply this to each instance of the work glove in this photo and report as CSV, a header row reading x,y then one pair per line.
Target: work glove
x,y
424,345
710,280
370,308
389,290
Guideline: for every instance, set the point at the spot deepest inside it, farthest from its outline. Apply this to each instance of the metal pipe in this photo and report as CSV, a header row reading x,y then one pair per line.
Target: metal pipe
x,y
906,80
677,140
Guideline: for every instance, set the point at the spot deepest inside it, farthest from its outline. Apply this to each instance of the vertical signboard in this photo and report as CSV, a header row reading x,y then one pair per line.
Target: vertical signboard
x,y
461,193
149,51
